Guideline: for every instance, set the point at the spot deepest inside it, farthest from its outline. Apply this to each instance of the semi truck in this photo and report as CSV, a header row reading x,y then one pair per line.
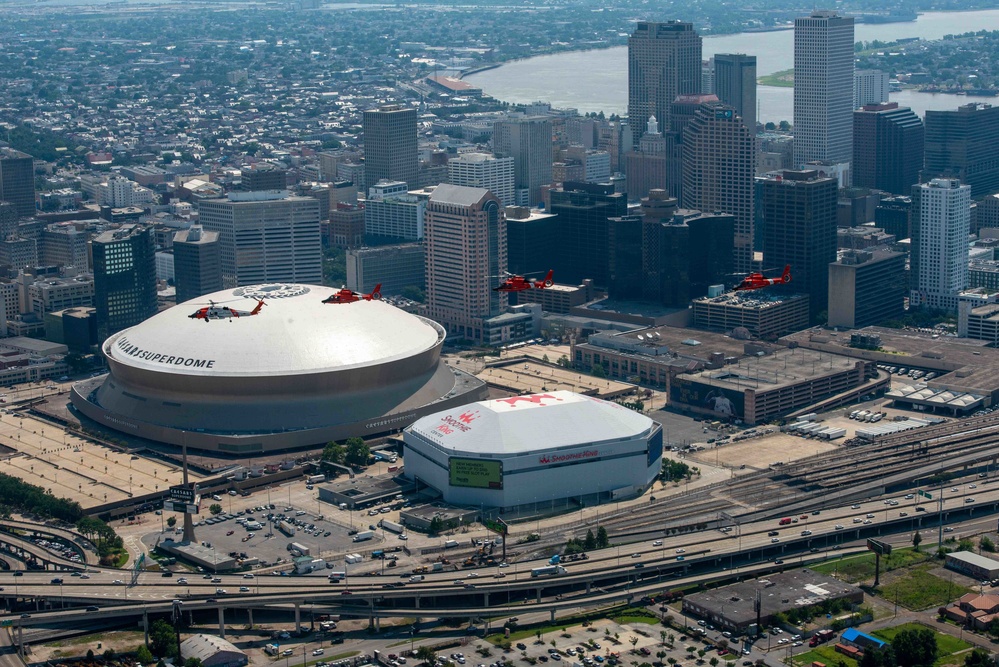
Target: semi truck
x,y
364,535
286,528
300,548
315,479
392,526
548,571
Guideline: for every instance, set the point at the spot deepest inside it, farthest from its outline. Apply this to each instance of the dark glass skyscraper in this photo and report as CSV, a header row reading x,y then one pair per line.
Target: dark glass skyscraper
x,y
197,263
124,278
799,211
583,210
17,180
887,147
735,85
962,144
390,145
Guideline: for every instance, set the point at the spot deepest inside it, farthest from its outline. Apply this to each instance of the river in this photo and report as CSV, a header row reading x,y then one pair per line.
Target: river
x,y
605,85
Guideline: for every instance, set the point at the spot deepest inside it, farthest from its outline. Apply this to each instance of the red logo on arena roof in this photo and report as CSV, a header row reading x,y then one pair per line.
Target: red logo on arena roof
x,y
468,417
535,399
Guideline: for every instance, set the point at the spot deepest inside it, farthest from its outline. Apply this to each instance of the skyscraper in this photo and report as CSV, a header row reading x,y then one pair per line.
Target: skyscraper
x,y
887,147
735,85
799,215
263,176
266,237
870,86
466,250
17,180
943,223
961,144
390,145
823,88
197,263
646,167
481,170
583,210
528,141
719,166
124,278
664,60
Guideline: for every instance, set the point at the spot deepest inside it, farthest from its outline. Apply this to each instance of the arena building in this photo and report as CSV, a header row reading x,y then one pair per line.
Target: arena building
x,y
542,448
299,374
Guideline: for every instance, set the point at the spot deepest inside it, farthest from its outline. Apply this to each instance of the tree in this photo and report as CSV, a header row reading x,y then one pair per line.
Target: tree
x,y
602,539
978,658
986,544
915,648
171,522
192,662
215,508
563,361
334,453
713,661
436,525
144,655
598,371
357,452
634,642
917,539
162,640
426,654
590,542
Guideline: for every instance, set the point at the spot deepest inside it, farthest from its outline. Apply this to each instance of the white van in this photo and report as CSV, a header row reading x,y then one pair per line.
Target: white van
x,y
416,577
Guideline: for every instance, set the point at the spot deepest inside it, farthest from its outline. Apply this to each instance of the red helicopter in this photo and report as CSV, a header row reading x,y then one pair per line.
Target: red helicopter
x,y
759,281
349,296
213,311
521,284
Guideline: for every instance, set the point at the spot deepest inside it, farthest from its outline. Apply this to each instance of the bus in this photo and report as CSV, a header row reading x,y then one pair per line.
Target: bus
x,y
337,576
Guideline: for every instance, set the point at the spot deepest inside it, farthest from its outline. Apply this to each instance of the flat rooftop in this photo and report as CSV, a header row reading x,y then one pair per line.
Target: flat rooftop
x,y
779,592
966,364
783,368
750,300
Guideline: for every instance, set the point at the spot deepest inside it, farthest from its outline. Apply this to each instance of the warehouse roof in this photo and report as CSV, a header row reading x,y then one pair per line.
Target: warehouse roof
x,y
204,647
520,424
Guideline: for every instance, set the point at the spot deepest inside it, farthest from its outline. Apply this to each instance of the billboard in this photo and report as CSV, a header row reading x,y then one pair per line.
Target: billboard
x,y
182,494
719,401
475,473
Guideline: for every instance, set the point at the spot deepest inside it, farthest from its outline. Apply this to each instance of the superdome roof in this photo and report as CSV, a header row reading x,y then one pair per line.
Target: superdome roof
x,y
295,333
532,423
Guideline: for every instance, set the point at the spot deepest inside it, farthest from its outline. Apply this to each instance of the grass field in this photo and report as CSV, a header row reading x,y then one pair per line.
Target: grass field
x,y
947,644
825,654
917,589
858,569
784,79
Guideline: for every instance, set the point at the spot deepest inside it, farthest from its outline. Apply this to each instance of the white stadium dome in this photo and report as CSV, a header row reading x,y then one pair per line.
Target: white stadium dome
x,y
541,448
298,373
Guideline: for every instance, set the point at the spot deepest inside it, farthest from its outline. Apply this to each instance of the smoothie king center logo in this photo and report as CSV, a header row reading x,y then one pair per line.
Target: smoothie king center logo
x,y
562,458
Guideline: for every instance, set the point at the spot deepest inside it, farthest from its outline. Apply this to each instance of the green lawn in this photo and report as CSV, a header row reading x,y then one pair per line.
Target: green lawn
x,y
825,654
782,79
917,589
860,568
947,644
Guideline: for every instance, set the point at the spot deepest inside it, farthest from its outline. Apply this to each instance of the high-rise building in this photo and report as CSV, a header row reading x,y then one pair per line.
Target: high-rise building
x,y
528,141
799,214
870,86
266,237
465,249
892,215
124,278
664,60
390,145
8,220
719,167
961,144
583,210
708,75
62,244
346,226
943,224
392,214
866,287
531,240
197,263
481,170
624,257
685,253
263,176
17,180
823,88
735,85
646,167
394,267
887,147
